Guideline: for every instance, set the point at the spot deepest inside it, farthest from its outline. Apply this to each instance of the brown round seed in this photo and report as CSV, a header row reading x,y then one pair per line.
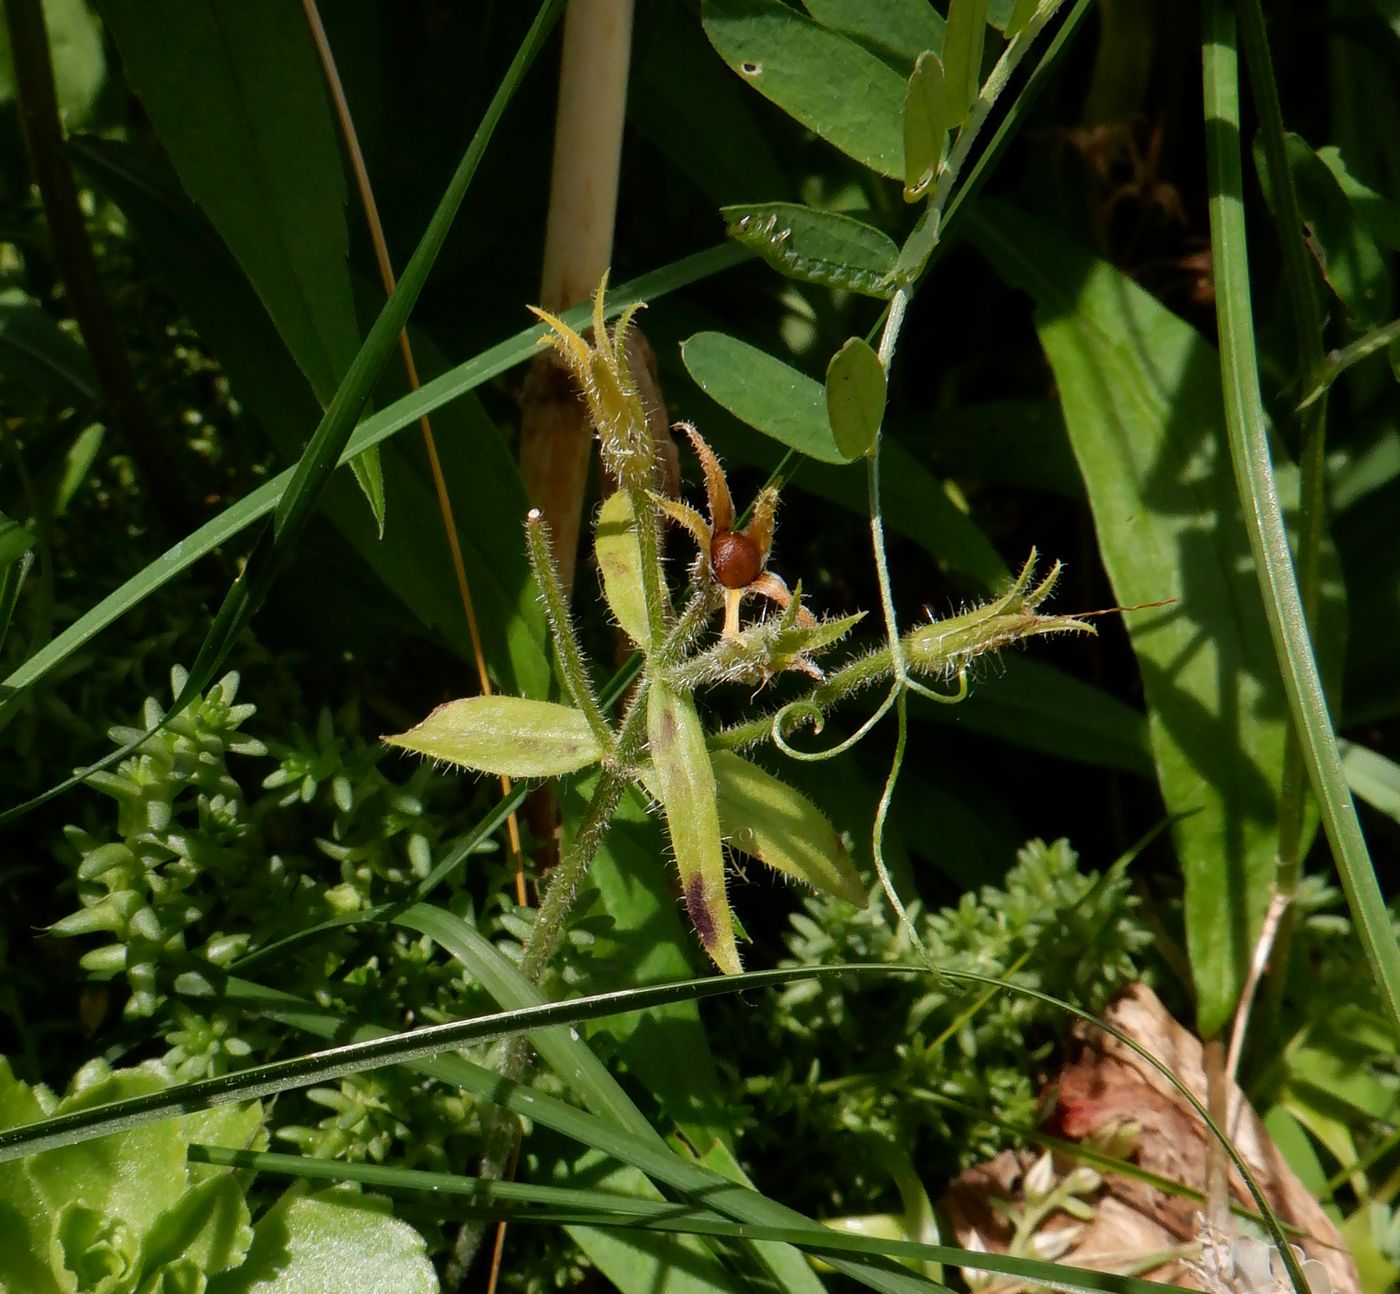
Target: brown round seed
x,y
735,558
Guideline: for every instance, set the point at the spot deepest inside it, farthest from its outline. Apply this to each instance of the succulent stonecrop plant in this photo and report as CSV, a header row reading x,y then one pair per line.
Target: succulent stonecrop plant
x,y
708,793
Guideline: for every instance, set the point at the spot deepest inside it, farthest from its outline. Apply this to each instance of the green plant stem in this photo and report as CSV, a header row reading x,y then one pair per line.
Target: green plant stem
x,y
556,608
653,577
1249,450
167,496
1312,509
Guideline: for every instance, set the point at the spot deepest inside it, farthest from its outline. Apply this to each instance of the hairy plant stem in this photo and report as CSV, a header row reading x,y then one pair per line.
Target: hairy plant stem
x,y
572,666
658,602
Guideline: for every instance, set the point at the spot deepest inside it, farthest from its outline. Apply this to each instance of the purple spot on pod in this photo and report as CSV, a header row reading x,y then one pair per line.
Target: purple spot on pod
x,y
697,904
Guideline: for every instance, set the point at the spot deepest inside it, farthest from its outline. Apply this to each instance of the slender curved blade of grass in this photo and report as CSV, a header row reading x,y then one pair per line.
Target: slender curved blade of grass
x,y
237,97
897,30
531,1203
374,1047
1249,453
1141,397
575,1064
402,413
826,81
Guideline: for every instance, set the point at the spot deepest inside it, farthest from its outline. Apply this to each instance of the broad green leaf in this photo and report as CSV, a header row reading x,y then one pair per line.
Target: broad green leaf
x,y
897,30
620,564
307,1242
855,397
777,825
827,82
816,246
1141,395
770,396
1339,241
236,94
927,116
34,350
685,785
963,42
507,735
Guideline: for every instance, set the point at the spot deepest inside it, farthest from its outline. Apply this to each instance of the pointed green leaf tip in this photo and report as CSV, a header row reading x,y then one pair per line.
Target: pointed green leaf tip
x,y
506,735
620,563
783,828
855,397
684,782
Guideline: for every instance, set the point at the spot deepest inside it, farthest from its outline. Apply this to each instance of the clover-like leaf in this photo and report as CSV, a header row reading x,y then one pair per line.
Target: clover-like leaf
x,y
780,826
620,563
926,121
507,735
684,782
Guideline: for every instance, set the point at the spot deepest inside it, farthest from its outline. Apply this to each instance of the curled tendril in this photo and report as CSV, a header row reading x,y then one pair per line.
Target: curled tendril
x,y
943,698
798,711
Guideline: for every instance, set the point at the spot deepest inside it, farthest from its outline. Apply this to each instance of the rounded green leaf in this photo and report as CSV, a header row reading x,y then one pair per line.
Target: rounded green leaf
x,y
816,246
620,563
780,826
855,397
963,40
851,98
770,396
926,121
684,782
507,735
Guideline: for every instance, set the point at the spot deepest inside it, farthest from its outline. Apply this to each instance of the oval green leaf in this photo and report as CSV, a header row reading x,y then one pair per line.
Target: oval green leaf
x,y
816,246
763,392
620,564
780,826
855,397
506,735
963,42
926,121
684,782
826,81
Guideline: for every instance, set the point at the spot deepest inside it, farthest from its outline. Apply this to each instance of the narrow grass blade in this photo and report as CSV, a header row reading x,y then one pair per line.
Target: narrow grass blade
x,y
1273,565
